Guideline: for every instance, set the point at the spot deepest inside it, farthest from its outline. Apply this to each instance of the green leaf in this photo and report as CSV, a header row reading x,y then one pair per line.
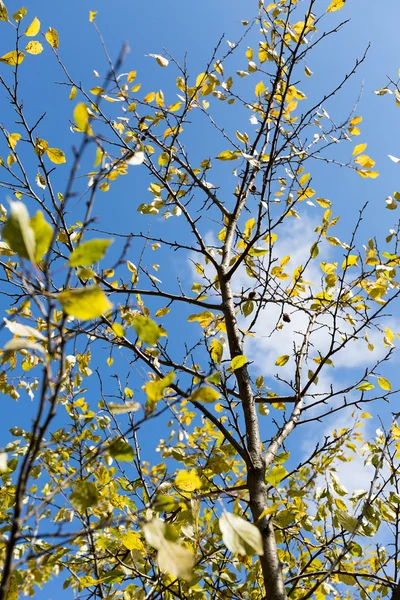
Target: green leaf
x,y
121,450
238,362
282,360
314,250
248,308
88,252
43,233
240,536
18,232
147,330
85,495
85,303
347,521
164,503
214,378
283,518
206,394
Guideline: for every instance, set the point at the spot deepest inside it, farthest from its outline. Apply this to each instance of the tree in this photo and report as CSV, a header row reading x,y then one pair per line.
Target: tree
x,y
158,463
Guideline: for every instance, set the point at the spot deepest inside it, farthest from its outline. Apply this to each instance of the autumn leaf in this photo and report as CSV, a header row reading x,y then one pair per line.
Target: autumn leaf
x,y
56,156
336,5
34,47
51,36
33,28
12,58
84,303
147,330
18,232
89,252
240,536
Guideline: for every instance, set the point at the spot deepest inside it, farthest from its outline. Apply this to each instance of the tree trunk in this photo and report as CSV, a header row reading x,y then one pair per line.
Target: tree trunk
x,y
256,469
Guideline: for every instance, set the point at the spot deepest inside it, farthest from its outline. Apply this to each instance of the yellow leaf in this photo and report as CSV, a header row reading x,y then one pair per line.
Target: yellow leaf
x,y
188,481
291,106
41,146
13,139
366,174
216,349
34,47
238,362
149,97
365,161
56,156
175,107
204,318
336,5
259,88
160,99
51,36
84,303
282,360
384,384
131,76
162,311
354,131
81,118
350,261
12,58
3,11
92,14
163,159
33,28
147,330
205,393
96,90
201,79
161,60
359,148
304,178
119,332
355,121
18,15
227,155
72,93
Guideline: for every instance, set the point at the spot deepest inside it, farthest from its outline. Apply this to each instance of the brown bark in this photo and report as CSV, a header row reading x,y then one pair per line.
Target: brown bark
x,y
256,466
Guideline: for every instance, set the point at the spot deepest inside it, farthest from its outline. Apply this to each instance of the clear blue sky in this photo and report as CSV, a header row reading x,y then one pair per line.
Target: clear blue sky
x,y
194,28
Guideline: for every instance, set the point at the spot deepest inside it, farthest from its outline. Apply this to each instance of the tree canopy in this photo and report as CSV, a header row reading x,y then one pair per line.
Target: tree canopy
x,y
188,423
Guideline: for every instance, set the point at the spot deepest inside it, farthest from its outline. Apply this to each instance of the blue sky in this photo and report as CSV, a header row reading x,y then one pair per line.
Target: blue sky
x,y
194,28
